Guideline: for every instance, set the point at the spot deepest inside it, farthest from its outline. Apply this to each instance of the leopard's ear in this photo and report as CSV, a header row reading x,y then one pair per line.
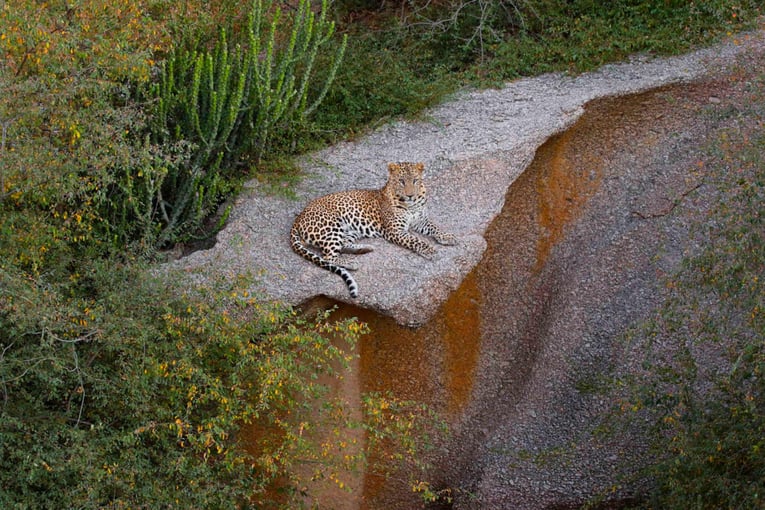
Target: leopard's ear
x,y
392,167
420,167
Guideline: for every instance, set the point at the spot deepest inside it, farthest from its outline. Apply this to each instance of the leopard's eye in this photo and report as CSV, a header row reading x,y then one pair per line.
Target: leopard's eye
x,y
402,181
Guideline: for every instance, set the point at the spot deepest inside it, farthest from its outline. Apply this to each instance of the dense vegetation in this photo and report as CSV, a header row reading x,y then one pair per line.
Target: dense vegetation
x,y
702,385
124,125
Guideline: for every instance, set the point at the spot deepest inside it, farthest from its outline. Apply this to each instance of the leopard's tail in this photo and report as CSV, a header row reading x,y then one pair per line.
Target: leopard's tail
x,y
299,247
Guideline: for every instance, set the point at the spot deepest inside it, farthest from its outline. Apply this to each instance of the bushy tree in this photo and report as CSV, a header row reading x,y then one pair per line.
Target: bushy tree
x,y
66,129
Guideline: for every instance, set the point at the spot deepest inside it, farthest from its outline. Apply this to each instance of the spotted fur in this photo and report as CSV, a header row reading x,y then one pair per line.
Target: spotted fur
x,y
333,223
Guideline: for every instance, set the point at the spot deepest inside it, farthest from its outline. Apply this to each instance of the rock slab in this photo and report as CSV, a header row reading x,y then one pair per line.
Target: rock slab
x,y
473,146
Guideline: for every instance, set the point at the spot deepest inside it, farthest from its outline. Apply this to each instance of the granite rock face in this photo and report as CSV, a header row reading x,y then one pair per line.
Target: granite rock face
x,y
473,148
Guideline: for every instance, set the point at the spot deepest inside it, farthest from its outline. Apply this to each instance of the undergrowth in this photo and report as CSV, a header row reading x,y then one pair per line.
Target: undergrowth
x,y
701,388
405,56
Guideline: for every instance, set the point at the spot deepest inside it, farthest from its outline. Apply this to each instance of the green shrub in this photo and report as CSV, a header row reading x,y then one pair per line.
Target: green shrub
x,y
146,170
406,56
469,29
121,391
67,130
224,107
703,389
581,35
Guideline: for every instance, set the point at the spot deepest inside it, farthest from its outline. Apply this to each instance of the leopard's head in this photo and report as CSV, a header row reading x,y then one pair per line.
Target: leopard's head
x,y
405,182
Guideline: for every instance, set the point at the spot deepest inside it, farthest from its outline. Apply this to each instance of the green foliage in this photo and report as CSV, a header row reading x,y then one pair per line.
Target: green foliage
x,y
411,427
469,27
703,390
66,129
581,35
148,172
406,56
224,106
378,81
115,395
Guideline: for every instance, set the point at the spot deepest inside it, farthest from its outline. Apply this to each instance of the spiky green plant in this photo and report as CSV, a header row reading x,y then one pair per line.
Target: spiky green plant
x,y
230,103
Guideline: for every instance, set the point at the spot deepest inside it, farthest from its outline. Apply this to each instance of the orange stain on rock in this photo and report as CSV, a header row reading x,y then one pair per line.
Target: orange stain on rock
x,y
567,178
434,364
461,322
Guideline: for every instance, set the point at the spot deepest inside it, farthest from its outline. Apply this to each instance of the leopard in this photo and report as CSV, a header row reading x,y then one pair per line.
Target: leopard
x,y
330,225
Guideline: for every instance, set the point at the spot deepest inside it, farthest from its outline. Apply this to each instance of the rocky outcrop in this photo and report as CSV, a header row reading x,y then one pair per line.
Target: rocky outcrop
x,y
473,147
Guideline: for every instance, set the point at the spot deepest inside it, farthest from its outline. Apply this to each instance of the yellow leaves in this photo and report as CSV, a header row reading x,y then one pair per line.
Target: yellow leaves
x,y
110,33
81,320
420,486
180,426
356,327
191,394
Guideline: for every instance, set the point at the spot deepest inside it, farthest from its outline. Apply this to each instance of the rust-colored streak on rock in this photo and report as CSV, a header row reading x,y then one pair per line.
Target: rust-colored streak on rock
x,y
569,165
394,358
566,181
461,336
434,364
